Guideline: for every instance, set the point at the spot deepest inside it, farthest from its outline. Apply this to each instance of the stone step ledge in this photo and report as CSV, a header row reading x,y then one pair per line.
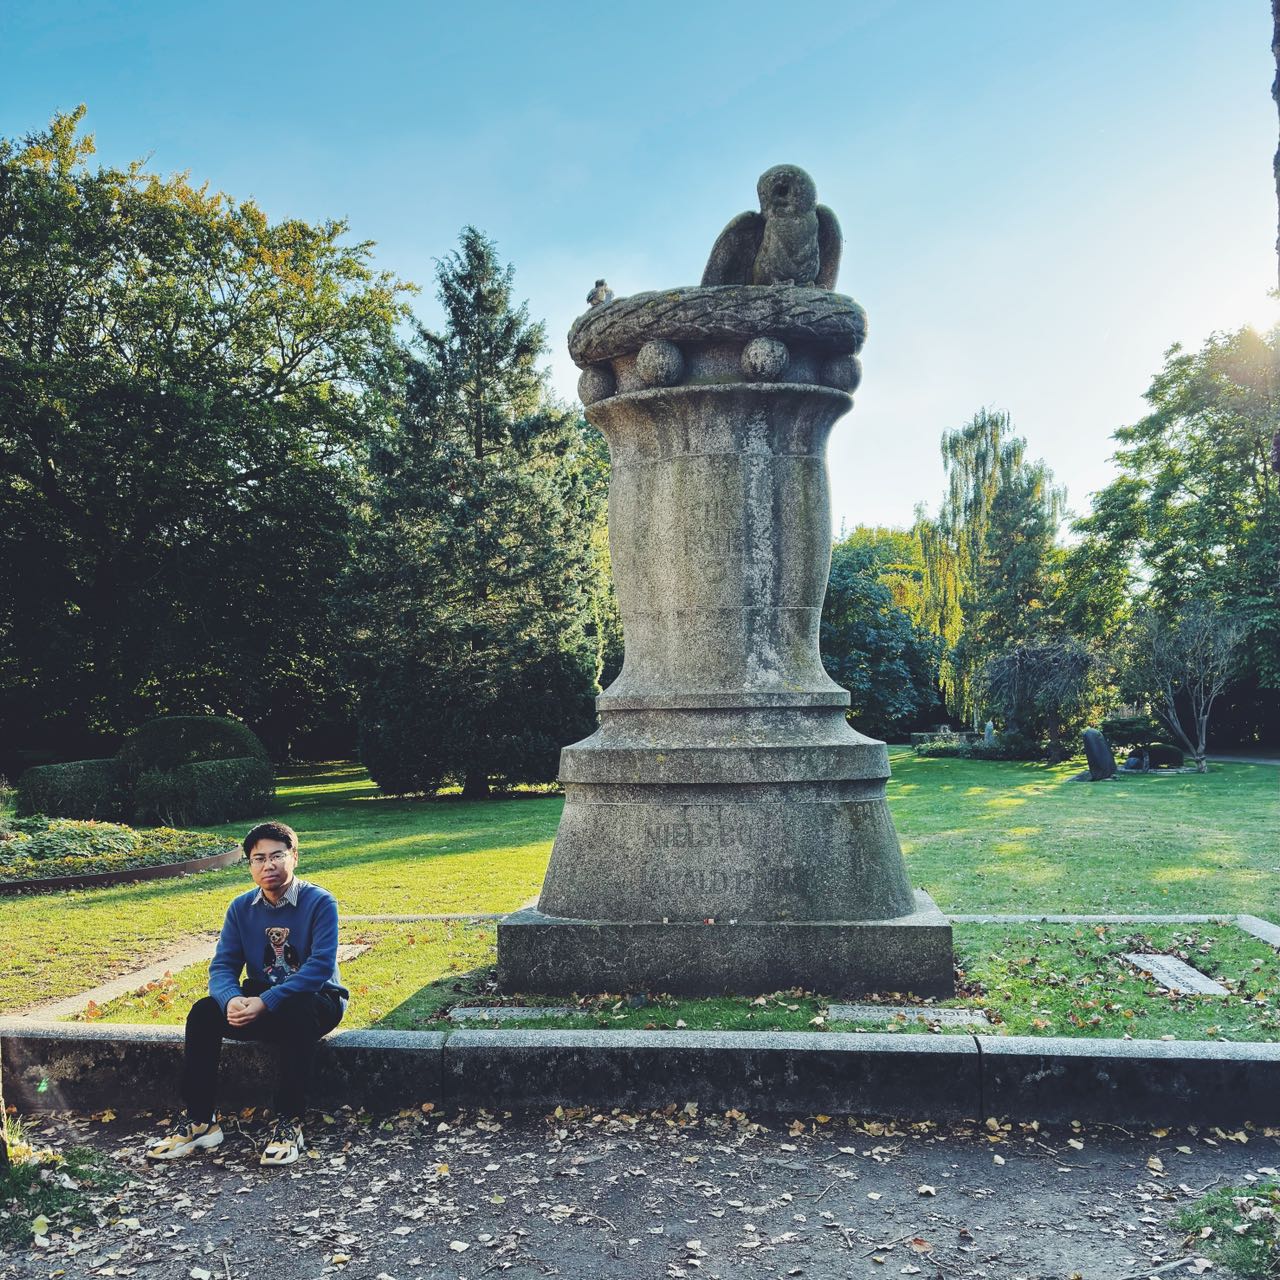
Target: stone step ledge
x,y
61,1066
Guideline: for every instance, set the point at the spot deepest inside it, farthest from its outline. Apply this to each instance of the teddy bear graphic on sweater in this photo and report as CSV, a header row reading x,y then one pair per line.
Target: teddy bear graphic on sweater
x,y
279,956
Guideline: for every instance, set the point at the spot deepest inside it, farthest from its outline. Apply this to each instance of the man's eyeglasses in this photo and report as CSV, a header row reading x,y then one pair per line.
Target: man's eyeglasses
x,y
261,859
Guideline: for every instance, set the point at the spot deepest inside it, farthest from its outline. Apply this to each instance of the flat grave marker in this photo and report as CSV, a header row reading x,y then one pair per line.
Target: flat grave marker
x,y
1176,975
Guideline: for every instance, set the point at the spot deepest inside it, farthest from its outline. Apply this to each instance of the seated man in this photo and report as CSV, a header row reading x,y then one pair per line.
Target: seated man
x,y
285,934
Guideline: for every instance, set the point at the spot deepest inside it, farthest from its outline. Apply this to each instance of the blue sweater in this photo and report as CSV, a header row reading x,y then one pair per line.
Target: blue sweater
x,y
290,948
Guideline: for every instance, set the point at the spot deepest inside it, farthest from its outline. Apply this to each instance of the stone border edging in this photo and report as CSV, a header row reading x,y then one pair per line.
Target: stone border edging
x,y
102,879
86,1068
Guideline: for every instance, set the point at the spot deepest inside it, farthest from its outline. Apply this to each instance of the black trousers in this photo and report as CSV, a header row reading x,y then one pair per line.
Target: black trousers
x,y
295,1026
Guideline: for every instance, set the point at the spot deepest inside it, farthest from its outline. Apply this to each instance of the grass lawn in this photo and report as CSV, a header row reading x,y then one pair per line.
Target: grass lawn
x,y
981,836
1013,838
1239,1227
1019,980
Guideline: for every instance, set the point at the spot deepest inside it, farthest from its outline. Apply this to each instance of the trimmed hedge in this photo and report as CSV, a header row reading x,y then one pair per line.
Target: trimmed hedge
x,y
95,789
162,745
205,793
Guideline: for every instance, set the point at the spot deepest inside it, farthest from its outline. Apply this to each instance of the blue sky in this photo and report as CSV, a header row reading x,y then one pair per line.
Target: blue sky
x,y
1037,199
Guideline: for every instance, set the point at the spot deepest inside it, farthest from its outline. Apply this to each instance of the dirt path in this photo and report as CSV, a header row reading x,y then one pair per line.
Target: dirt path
x,y
662,1195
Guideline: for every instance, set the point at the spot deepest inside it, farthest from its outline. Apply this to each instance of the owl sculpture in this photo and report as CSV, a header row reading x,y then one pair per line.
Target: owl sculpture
x,y
792,240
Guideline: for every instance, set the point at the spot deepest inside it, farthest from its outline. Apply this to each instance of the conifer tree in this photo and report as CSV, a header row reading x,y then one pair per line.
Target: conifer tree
x,y
474,646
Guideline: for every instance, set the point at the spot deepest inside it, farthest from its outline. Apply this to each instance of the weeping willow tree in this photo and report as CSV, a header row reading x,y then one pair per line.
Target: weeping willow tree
x,y
989,552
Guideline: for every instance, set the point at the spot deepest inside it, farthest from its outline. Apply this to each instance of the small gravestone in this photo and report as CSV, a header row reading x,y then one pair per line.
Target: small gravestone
x,y
1097,751
905,1013
1176,975
508,1013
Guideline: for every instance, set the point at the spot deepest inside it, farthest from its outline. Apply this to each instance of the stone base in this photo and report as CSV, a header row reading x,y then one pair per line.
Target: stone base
x,y
547,954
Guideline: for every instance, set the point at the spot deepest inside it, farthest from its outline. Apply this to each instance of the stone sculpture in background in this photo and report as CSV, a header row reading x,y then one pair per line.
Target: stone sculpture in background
x,y
725,829
1101,759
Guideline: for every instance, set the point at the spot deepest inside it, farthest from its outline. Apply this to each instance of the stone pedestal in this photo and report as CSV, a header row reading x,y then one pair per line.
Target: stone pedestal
x,y
725,829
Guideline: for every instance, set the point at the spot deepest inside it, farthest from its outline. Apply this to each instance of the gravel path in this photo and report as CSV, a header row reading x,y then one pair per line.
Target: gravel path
x,y
654,1195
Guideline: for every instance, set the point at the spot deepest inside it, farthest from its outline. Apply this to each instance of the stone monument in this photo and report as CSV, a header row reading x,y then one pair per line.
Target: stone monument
x,y
726,829
1101,759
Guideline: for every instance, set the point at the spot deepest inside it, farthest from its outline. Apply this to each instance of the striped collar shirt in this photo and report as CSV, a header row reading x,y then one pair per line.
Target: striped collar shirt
x,y
288,899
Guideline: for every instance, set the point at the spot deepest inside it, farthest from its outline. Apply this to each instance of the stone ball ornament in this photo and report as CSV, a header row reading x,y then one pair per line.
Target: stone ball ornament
x,y
596,383
843,372
765,360
659,363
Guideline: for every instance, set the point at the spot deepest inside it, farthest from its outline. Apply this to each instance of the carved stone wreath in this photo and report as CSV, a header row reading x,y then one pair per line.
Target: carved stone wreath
x,y
718,334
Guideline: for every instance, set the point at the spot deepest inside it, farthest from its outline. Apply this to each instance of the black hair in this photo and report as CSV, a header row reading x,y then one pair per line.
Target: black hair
x,y
271,831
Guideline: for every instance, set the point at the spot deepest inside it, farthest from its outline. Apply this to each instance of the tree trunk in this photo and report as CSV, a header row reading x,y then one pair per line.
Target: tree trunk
x,y
1202,737
4,1131
475,786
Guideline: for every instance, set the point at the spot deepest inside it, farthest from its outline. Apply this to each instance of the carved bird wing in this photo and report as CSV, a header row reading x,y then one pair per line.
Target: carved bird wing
x,y
734,255
829,244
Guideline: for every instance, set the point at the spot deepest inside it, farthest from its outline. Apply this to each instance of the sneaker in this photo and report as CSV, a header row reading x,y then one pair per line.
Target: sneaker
x,y
184,1138
285,1144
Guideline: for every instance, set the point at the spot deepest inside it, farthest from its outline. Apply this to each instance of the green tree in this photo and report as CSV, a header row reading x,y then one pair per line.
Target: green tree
x,y
988,555
870,643
473,599
183,388
1275,94
1194,514
1043,692
1183,665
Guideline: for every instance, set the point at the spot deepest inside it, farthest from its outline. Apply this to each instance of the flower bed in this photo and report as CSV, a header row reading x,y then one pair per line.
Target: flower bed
x,y
41,853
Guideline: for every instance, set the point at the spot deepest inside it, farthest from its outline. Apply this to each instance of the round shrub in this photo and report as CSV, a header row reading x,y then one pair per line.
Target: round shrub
x,y
70,838
173,741
205,793
1160,755
80,789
